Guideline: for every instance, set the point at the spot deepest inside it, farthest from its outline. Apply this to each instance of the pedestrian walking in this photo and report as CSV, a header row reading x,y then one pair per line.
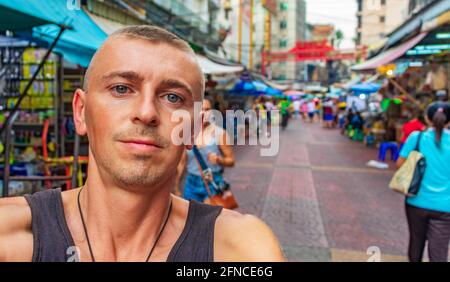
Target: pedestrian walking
x,y
296,105
328,114
311,110
217,153
304,109
285,110
428,213
269,107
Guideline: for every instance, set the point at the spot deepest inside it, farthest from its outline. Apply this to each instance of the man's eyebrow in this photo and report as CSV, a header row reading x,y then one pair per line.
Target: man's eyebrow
x,y
173,83
128,75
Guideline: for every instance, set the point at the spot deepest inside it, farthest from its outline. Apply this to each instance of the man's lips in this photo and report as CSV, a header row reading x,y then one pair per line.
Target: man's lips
x,y
142,145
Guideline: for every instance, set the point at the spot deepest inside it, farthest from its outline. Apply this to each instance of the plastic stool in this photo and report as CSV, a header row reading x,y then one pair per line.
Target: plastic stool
x,y
384,147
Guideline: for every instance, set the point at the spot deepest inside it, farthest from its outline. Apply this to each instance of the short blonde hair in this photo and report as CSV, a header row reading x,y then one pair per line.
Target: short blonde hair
x,y
154,34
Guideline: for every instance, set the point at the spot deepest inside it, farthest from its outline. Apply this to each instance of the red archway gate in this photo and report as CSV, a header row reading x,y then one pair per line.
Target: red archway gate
x,y
310,51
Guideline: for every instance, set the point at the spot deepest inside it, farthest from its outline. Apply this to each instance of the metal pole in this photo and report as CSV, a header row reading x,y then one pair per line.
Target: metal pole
x,y
30,82
250,60
404,92
240,31
60,138
263,63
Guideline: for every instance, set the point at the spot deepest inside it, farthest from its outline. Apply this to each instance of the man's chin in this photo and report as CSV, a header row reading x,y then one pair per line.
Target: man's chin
x,y
136,184
140,179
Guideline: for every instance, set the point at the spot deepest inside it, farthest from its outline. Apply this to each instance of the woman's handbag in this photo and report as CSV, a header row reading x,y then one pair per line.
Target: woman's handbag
x,y
409,176
225,197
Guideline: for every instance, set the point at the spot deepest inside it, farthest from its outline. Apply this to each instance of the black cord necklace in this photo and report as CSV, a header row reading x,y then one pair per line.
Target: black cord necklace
x,y
154,244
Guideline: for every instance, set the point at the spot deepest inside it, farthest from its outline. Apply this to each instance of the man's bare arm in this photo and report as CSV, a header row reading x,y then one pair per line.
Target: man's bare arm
x,y
245,238
16,238
227,151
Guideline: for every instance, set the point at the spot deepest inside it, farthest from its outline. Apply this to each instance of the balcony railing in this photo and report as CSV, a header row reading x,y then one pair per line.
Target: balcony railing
x,y
178,9
172,15
175,16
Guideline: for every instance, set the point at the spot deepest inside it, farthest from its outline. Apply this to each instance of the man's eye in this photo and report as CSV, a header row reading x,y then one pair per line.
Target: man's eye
x,y
173,98
121,89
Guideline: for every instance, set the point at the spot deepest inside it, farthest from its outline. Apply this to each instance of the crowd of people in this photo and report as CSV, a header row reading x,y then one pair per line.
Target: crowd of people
x,y
307,109
428,213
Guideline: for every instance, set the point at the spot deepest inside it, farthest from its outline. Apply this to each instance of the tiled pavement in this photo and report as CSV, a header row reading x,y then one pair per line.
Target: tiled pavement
x,y
320,198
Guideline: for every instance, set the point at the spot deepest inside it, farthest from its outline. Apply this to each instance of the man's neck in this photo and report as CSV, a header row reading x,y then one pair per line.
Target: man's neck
x,y
121,222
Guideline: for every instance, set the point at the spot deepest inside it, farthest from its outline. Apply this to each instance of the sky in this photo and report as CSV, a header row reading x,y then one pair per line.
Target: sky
x,y
341,13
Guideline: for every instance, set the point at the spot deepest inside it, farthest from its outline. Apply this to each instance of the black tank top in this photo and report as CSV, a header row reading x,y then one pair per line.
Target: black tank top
x,y
52,241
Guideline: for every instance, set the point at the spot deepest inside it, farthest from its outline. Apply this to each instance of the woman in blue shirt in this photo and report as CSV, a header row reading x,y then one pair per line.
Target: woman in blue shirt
x,y
216,150
428,213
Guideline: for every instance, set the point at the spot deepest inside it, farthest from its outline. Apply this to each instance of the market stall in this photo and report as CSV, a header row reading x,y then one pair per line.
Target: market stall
x,y
39,147
413,68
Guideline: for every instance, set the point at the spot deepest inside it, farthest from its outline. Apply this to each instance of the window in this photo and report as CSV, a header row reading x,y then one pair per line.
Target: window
x,y
360,5
283,6
383,2
283,43
373,5
382,19
283,24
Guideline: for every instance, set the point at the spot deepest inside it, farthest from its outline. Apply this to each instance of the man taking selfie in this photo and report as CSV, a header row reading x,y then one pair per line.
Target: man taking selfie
x,y
125,210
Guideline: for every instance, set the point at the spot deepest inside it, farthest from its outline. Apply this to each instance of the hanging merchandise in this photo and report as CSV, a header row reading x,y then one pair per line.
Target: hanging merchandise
x,y
20,65
387,102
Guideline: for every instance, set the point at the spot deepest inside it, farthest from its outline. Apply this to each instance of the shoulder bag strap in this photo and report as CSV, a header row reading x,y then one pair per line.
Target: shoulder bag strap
x,y
418,142
205,171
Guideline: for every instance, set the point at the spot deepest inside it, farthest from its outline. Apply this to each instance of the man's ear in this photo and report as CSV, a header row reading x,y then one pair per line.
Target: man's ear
x,y
79,107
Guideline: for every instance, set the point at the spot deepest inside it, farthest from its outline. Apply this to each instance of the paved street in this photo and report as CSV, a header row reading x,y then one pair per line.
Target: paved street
x,y
320,198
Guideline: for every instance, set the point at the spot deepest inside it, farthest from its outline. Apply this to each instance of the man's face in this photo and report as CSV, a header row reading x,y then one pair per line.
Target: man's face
x,y
134,87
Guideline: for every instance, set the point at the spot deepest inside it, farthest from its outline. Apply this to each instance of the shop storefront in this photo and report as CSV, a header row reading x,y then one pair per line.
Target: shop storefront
x,y
413,69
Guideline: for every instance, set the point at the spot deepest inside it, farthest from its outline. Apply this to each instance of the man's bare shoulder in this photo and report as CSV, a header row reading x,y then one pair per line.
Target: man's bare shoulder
x,y
15,214
15,229
243,237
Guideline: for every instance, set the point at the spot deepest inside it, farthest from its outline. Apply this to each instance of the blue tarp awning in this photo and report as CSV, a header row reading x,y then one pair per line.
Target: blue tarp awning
x,y
244,88
21,16
365,88
264,89
254,88
77,44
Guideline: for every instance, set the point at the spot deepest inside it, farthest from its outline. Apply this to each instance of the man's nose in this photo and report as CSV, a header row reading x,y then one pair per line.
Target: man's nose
x,y
146,109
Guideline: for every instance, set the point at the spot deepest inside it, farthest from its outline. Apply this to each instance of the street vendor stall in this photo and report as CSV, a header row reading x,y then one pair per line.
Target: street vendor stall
x,y
33,114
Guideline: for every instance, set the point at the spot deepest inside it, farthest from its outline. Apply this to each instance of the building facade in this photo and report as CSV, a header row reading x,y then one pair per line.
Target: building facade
x,y
245,22
257,25
377,18
288,28
416,5
193,20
